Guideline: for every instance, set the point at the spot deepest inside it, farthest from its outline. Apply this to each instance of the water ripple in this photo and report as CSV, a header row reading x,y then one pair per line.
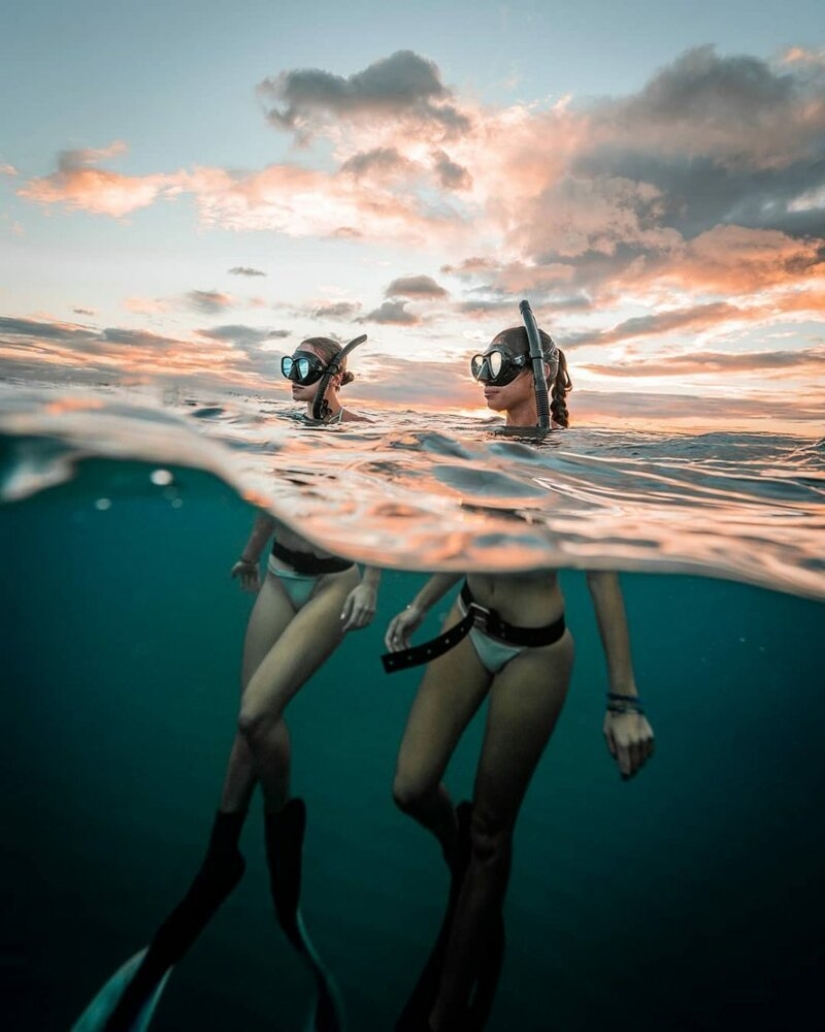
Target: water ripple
x,y
750,507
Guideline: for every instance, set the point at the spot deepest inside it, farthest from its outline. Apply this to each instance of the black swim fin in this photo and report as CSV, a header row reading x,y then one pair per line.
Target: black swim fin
x,y
415,1016
284,834
127,1001
487,975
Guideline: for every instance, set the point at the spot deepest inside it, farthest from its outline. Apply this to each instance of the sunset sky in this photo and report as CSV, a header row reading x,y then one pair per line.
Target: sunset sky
x,y
189,189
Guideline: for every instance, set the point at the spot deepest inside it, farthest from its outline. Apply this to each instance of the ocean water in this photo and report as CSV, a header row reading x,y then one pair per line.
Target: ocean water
x,y
690,898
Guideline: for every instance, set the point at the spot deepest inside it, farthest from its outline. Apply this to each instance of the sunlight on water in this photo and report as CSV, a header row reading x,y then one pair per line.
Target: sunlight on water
x,y
453,495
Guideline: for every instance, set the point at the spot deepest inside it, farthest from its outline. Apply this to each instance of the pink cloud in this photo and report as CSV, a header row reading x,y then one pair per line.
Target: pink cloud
x,y
78,186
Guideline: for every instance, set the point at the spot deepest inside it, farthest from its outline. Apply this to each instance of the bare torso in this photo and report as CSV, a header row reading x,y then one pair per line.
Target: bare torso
x,y
525,599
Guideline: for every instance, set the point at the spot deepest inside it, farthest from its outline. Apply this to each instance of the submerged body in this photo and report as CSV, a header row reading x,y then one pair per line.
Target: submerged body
x,y
305,605
526,683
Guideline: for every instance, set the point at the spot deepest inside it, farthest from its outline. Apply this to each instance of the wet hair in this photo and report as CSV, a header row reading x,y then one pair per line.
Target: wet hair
x,y
515,338
328,349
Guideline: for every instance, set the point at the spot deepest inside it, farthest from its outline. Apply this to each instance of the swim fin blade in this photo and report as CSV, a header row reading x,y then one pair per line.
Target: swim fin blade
x,y
284,835
97,1014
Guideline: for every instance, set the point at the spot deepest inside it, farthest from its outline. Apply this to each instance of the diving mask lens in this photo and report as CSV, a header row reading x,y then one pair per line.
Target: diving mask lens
x,y
303,368
496,367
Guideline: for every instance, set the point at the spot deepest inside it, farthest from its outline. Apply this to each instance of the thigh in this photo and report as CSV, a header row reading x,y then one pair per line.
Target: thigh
x,y
304,644
525,702
453,687
267,622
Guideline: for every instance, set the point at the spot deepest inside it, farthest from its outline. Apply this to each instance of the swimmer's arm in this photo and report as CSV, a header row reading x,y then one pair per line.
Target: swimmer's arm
x,y
608,602
360,604
262,531
436,588
371,577
409,619
246,568
628,734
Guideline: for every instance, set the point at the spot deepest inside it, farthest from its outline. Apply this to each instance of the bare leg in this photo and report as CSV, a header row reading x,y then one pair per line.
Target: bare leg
x,y
453,688
270,616
525,703
305,643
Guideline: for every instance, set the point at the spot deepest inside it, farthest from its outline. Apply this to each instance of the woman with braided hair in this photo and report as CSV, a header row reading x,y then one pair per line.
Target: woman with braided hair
x,y
504,640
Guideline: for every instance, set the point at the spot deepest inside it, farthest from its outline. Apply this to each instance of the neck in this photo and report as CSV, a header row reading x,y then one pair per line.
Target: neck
x,y
524,414
334,405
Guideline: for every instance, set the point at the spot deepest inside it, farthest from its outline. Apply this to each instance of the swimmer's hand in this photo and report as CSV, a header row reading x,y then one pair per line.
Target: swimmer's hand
x,y
401,627
248,574
629,738
359,607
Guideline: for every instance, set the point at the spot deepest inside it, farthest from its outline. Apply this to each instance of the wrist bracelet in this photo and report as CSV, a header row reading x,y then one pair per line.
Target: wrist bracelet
x,y
617,703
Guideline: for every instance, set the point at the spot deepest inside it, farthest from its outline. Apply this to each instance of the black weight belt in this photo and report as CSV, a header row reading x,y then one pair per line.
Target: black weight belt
x,y
488,622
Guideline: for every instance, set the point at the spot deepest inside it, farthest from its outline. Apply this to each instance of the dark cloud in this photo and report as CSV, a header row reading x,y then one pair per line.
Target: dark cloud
x,y
451,175
80,340
415,287
382,161
401,85
722,139
393,312
136,339
336,310
84,311
45,331
717,362
704,89
245,270
244,336
210,302
699,316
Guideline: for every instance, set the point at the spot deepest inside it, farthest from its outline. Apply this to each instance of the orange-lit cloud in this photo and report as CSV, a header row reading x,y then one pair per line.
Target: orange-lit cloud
x,y
79,185
688,216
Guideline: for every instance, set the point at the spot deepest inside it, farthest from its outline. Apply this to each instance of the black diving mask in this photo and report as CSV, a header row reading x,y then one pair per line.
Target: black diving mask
x,y
497,367
303,368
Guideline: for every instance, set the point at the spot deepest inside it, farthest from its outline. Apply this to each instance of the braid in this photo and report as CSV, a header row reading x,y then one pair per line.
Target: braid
x,y
561,385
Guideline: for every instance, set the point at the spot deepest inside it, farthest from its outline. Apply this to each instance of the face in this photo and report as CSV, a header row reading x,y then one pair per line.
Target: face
x,y
306,392
512,395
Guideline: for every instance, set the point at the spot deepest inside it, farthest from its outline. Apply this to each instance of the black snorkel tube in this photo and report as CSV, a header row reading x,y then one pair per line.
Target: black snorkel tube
x,y
320,407
537,357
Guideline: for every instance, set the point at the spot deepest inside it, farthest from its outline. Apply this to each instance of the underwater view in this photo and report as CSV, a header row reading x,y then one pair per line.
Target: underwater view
x,y
687,898
412,516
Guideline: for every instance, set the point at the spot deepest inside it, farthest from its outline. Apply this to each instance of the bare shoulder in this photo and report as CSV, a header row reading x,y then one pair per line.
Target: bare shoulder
x,y
353,417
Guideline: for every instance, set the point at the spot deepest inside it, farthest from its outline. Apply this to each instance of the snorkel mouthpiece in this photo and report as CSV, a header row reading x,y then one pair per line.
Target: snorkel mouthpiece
x,y
537,358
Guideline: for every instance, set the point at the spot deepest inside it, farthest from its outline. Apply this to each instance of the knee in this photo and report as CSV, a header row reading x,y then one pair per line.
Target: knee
x,y
253,725
409,794
491,840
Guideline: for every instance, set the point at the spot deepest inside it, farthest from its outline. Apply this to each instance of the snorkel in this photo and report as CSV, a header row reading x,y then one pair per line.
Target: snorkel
x,y
320,406
537,358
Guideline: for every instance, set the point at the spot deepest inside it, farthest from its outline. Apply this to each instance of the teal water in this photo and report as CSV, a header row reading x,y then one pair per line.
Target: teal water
x,y
689,899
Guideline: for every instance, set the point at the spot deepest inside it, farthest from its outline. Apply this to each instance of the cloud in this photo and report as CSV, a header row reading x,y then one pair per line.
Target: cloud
x,y
402,86
394,312
336,310
246,336
810,362
210,302
451,175
84,311
146,305
378,163
79,186
7,170
245,270
415,287
65,351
